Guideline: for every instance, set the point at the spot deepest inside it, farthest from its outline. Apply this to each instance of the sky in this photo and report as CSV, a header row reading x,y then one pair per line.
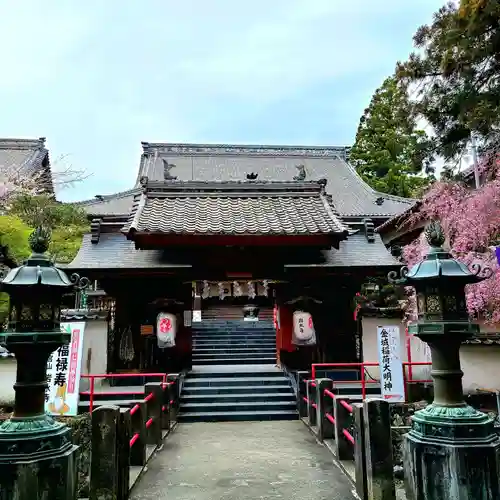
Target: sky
x,y
98,77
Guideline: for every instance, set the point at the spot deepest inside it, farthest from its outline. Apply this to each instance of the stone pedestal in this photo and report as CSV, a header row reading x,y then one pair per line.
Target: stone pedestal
x,y
46,476
454,460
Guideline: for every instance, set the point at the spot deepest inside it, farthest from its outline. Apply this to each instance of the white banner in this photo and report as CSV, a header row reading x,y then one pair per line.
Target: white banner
x,y
63,373
391,364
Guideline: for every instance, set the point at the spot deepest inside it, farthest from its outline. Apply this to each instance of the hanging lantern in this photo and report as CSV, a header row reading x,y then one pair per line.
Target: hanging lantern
x,y
222,292
265,285
166,329
238,292
303,329
205,293
251,290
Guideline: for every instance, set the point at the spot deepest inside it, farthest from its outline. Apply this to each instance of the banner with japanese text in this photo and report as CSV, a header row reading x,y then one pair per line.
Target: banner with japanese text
x,y
64,367
391,364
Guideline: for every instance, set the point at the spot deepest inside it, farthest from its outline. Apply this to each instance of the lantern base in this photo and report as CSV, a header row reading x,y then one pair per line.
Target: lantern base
x,y
452,453
51,476
30,438
423,328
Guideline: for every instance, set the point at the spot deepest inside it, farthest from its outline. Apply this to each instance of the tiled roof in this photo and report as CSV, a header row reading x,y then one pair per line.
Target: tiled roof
x,y
246,208
115,204
201,162
24,155
114,251
356,251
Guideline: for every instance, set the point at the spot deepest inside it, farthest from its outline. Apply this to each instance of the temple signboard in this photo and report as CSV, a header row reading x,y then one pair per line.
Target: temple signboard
x,y
63,373
391,364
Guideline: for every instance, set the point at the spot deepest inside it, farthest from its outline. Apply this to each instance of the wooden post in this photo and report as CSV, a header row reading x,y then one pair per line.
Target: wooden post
x,y
154,405
302,376
325,427
359,451
138,449
311,402
343,420
378,446
104,475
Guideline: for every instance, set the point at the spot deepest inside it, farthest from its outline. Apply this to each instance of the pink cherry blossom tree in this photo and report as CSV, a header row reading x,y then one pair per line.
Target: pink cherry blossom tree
x,y
471,221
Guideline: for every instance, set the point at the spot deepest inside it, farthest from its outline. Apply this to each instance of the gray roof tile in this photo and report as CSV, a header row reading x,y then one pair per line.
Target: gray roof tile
x,y
115,204
356,251
351,195
114,251
248,208
201,162
24,156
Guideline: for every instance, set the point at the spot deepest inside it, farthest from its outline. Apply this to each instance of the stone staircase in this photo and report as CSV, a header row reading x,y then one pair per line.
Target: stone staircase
x,y
234,375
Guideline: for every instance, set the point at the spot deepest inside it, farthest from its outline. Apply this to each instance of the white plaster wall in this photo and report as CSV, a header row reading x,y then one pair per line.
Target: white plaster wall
x,y
95,351
480,364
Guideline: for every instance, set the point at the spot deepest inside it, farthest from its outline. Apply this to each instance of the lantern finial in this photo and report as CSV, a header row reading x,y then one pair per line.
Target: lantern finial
x,y
434,234
39,240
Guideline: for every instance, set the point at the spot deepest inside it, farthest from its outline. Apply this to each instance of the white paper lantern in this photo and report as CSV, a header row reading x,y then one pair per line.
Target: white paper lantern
x,y
166,329
303,328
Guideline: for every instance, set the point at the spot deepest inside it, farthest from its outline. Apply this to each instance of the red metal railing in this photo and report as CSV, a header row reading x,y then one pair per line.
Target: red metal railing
x,y
92,377
331,418
150,421
362,367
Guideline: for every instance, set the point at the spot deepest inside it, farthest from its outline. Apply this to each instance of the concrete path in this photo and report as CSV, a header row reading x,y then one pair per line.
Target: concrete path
x,y
242,461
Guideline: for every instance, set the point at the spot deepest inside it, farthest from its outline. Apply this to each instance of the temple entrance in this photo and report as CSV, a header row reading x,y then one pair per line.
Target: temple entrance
x,y
232,300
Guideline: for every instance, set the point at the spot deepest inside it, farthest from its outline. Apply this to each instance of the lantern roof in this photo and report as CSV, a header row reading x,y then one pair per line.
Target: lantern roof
x,y
38,269
439,264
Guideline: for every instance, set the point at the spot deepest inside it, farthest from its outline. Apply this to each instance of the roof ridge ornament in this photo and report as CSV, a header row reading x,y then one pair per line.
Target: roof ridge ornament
x,y
166,171
301,176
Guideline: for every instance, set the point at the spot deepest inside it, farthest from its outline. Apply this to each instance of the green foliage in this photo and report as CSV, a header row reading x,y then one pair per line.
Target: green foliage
x,y
66,241
456,72
44,211
14,233
68,223
390,151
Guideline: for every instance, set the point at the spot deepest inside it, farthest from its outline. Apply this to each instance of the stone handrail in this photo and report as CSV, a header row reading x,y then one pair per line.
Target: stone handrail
x,y
354,432
123,439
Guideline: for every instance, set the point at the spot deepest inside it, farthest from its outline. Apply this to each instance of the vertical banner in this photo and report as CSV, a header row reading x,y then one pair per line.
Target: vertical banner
x,y
391,364
64,367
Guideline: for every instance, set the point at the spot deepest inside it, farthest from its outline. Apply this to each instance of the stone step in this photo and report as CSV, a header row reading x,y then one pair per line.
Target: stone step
x,y
251,342
233,381
234,361
239,406
226,335
237,397
253,389
223,354
231,348
224,416
251,372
